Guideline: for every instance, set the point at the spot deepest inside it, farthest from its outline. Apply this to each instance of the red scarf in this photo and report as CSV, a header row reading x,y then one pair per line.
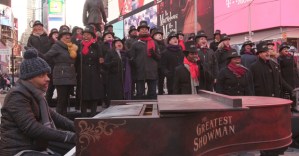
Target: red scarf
x,y
86,45
194,70
239,71
182,44
150,44
227,48
79,37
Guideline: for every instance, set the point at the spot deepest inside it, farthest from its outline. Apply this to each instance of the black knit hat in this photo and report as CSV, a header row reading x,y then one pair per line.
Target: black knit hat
x,y
172,35
62,32
37,23
32,65
89,29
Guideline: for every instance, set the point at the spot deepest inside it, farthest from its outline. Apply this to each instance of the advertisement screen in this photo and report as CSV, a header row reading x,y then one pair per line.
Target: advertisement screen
x,y
150,15
6,15
238,16
56,6
118,8
118,29
180,16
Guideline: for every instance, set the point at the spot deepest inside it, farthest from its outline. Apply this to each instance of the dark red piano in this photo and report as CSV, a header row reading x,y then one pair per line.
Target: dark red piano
x,y
207,124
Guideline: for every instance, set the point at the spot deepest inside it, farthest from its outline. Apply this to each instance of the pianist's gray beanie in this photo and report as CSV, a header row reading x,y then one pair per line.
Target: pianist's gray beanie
x,y
32,65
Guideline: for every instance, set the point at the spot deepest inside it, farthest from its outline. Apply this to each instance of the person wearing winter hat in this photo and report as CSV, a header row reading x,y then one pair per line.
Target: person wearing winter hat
x,y
90,82
63,53
171,58
157,36
133,34
224,49
108,27
25,105
235,79
145,55
268,81
187,75
119,72
209,65
215,43
53,36
273,52
77,35
288,66
247,52
39,39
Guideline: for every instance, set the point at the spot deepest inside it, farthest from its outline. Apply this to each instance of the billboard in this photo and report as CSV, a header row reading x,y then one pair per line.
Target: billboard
x,y
55,7
6,17
150,15
118,29
239,16
118,8
180,16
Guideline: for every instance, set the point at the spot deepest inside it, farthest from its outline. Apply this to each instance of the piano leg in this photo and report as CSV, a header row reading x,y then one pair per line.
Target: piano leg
x,y
274,152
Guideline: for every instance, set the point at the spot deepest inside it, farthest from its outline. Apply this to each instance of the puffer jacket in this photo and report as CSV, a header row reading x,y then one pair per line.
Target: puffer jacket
x,y
21,126
64,72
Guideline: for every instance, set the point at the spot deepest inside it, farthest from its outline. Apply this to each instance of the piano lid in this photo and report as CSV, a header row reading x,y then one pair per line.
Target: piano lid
x,y
204,101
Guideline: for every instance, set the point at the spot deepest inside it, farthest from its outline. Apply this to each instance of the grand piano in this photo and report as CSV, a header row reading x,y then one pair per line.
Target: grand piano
x,y
207,124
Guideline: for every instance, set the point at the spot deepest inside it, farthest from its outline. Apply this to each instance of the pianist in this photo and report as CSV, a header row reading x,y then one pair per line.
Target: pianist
x,y
28,125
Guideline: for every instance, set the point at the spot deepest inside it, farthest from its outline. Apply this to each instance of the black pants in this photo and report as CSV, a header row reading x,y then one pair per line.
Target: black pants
x,y
161,78
50,92
170,85
58,148
63,96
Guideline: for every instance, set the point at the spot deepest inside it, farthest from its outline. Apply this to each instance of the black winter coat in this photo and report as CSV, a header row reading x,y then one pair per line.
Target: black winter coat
x,y
182,81
209,68
89,74
267,79
21,126
116,68
214,45
64,72
41,43
229,84
170,59
129,42
289,72
146,67
221,55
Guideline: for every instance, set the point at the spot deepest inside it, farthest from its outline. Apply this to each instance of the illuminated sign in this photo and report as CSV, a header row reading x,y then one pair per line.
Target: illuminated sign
x,y
55,6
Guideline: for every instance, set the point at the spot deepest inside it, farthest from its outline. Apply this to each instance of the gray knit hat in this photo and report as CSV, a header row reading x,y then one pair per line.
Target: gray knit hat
x,y
32,65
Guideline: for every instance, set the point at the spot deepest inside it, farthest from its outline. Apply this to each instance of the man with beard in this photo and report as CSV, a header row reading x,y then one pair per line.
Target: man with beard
x,y
28,126
171,58
145,57
208,62
39,39
186,77
157,35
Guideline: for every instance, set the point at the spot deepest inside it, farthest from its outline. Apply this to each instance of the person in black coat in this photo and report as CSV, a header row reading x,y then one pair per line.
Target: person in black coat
x,y
145,56
39,39
118,68
224,50
248,56
28,126
186,77
215,43
266,74
77,33
157,35
172,57
63,53
49,94
90,79
235,79
209,65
